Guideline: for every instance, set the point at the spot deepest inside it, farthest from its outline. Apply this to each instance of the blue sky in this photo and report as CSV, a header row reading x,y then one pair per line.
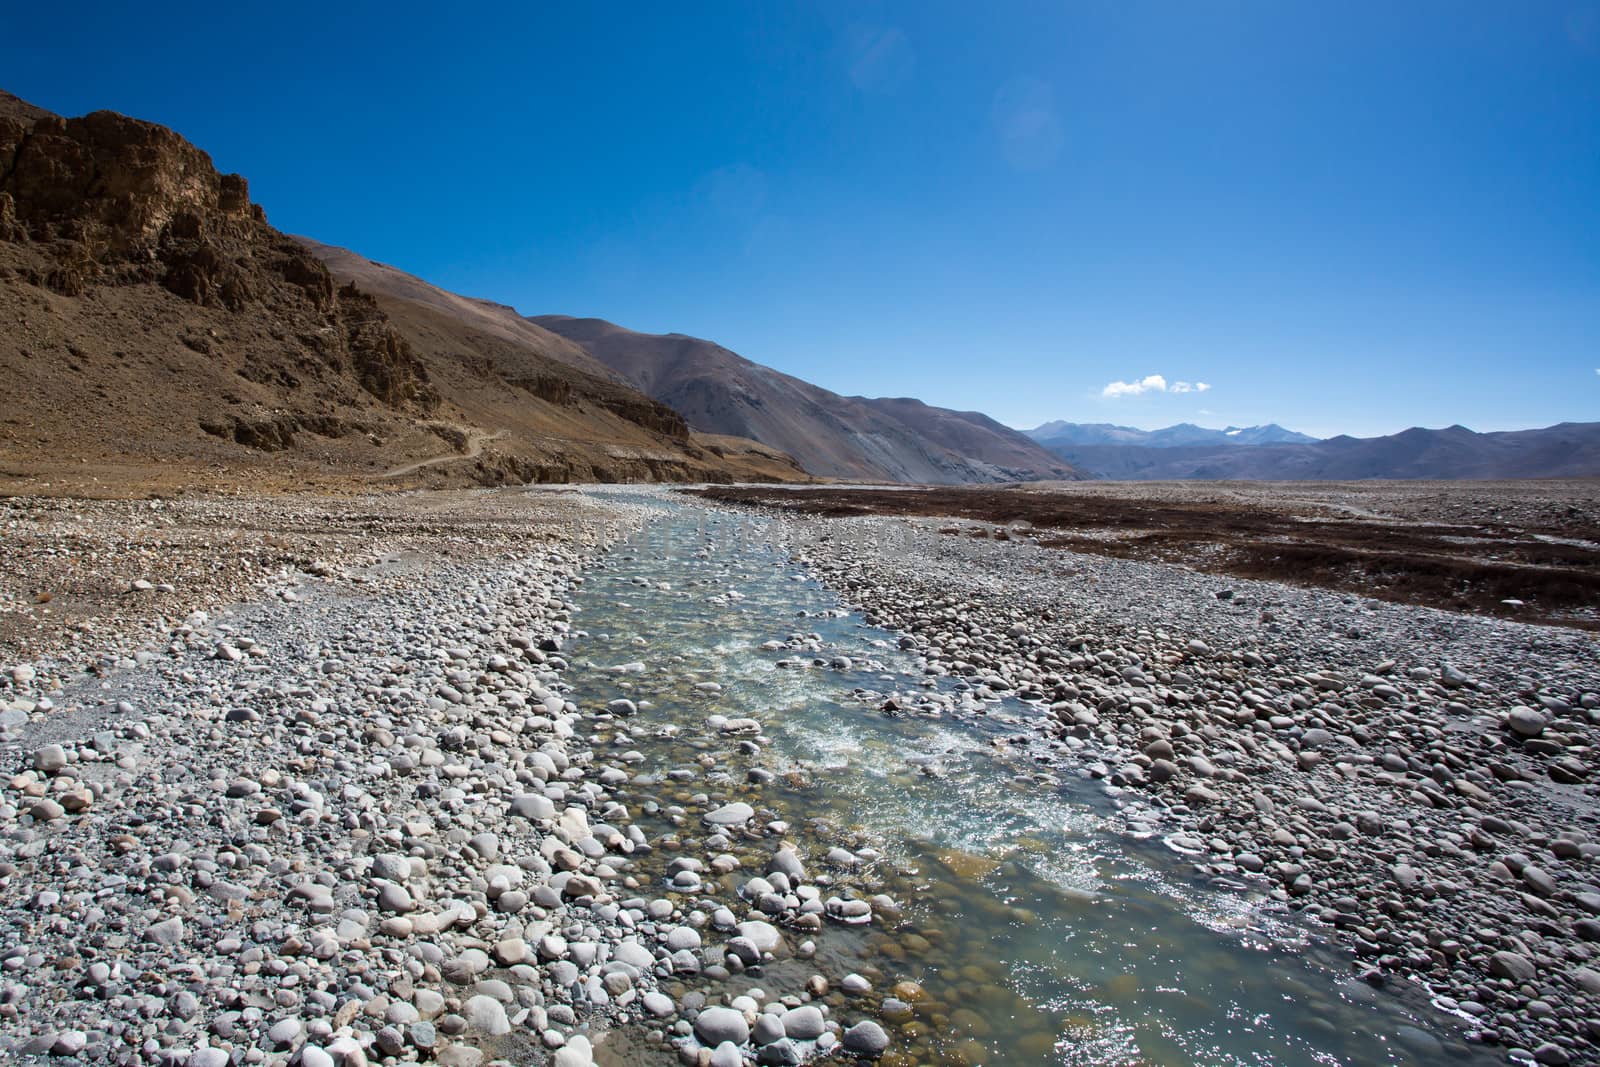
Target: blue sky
x,y
1348,217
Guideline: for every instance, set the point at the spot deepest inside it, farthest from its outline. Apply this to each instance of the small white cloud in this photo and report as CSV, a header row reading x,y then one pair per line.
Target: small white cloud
x,y
1150,383
1154,383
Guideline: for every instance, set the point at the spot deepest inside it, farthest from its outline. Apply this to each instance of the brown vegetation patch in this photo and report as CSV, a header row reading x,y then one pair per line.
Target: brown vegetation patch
x,y
1545,555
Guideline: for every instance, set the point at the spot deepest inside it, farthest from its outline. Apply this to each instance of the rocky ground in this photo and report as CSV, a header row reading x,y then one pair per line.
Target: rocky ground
x,y
1422,781
359,818
1527,550
301,781
84,582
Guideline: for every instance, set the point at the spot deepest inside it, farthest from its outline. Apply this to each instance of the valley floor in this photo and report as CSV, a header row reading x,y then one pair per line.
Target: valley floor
x,y
329,780
1527,550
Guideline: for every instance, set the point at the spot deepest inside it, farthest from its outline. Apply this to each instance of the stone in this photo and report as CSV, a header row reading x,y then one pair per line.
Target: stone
x,y
804,1023
533,806
1512,965
767,1029
391,867
763,935
393,897
577,1052
486,845
786,861
1538,880
46,810
715,1025
486,1015
781,1053
285,1031
1525,722
682,937
866,1038
735,814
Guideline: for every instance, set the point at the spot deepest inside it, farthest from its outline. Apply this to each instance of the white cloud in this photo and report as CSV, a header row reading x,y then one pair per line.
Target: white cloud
x,y
1152,383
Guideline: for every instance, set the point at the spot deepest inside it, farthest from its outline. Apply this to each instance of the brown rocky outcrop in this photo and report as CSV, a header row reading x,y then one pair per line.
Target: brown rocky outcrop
x,y
108,200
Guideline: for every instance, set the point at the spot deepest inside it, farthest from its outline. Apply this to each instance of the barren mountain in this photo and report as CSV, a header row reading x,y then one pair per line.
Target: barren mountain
x,y
484,316
158,328
1567,450
972,434
507,371
1059,434
832,436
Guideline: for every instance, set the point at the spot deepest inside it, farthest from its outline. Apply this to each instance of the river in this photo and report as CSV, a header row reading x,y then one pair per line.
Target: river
x,y
1042,917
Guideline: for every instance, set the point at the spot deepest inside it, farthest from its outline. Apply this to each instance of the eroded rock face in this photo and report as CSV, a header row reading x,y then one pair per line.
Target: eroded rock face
x,y
157,323
117,182
112,200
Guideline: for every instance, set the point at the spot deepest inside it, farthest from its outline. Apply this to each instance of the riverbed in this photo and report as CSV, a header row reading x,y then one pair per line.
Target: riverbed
x,y
1041,916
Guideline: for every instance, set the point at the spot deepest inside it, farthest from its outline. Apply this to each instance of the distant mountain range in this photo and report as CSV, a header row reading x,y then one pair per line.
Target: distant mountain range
x,y
1052,434
1566,450
848,438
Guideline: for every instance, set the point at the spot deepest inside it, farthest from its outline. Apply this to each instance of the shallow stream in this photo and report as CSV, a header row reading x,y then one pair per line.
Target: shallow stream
x,y
1045,920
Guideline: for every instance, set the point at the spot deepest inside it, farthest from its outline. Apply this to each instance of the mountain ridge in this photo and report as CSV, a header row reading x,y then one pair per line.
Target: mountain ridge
x,y
1176,435
833,436
1562,450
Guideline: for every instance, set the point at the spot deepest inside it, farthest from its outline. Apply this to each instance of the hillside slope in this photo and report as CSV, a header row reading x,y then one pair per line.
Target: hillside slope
x,y
832,436
971,434
158,328
504,370
1566,450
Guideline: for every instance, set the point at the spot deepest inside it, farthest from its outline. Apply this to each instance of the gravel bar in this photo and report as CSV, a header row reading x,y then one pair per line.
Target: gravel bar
x,y
1422,781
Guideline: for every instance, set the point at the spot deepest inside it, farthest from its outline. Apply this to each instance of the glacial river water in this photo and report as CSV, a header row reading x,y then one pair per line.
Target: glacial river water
x,y
1046,921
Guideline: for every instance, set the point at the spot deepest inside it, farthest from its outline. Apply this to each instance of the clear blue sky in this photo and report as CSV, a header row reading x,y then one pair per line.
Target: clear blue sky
x,y
1345,216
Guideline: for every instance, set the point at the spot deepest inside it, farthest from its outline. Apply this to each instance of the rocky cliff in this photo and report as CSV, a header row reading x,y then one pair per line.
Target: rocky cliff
x,y
153,315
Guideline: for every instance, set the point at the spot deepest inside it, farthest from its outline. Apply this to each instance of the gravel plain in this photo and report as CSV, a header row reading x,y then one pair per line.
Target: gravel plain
x,y
339,806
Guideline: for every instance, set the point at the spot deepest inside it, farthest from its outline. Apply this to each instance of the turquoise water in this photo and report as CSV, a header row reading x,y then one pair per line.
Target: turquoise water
x,y
1043,920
